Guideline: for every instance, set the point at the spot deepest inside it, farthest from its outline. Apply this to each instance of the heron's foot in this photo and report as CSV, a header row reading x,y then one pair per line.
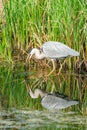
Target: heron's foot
x,y
50,72
45,78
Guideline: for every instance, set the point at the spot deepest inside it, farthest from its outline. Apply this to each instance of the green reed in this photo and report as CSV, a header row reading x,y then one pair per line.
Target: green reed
x,y
14,93
30,23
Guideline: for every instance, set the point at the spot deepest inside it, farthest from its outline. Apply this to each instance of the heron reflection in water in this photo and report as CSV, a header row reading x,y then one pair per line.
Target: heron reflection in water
x,y
52,101
54,51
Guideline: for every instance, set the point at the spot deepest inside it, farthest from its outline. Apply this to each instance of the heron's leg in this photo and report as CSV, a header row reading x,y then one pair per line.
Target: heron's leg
x,y
53,62
61,65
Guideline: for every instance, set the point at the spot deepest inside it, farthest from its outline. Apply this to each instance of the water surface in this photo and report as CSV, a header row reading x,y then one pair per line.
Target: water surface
x,y
28,119
18,111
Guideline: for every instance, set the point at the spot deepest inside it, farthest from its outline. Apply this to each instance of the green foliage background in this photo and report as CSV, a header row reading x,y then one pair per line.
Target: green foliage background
x,y
31,23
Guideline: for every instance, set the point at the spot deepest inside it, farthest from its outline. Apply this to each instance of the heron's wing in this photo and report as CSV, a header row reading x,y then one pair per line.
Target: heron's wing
x,y
53,102
57,50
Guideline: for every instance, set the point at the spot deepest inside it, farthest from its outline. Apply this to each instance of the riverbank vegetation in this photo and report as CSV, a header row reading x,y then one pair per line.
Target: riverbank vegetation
x,y
29,23
26,24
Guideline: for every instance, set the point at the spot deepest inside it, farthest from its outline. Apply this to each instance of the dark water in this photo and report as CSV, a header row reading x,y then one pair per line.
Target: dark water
x,y
18,111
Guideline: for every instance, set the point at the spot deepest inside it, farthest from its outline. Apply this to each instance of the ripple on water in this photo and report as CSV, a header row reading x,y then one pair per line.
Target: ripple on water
x,y
26,119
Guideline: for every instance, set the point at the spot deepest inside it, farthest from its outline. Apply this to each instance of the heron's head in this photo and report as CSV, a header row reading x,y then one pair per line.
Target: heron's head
x,y
30,54
34,51
38,54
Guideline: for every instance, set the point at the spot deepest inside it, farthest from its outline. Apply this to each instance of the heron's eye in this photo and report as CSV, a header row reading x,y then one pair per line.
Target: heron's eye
x,y
30,51
40,51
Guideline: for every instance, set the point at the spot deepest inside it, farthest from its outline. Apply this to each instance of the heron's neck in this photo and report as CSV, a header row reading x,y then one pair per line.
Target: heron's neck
x,y
37,93
39,54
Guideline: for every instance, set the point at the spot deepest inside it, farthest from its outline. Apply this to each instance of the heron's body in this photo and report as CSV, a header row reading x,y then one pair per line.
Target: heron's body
x,y
57,50
53,50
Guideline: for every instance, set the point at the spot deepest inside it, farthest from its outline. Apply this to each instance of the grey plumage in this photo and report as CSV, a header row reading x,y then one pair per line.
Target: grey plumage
x,y
57,50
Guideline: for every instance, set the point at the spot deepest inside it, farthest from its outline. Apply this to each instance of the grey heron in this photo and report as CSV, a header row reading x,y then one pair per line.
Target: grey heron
x,y
52,101
53,50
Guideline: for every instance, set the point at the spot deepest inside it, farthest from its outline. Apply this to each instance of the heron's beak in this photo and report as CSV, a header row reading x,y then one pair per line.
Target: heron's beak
x,y
28,58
